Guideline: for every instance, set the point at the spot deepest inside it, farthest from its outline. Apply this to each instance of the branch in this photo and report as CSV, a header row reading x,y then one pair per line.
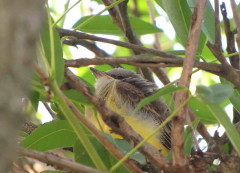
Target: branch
x,y
143,61
118,124
179,158
234,60
236,21
57,161
80,35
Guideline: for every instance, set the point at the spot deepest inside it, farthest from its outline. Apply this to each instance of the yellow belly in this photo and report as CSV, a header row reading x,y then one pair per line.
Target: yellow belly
x,y
144,128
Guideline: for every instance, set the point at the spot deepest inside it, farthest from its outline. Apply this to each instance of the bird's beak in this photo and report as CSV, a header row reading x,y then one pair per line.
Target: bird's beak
x,y
99,74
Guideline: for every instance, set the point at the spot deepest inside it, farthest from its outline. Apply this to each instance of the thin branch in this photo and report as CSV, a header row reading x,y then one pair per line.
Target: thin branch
x,y
236,21
234,60
53,115
80,35
218,41
179,158
118,124
59,162
143,61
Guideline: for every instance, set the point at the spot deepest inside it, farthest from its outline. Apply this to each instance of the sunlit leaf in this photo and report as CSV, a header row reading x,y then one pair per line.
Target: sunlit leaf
x,y
104,25
179,15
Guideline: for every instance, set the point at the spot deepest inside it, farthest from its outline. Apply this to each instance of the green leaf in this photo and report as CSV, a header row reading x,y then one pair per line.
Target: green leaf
x,y
235,100
230,129
125,147
104,25
34,98
215,93
202,111
179,15
208,26
52,135
170,88
58,53
81,155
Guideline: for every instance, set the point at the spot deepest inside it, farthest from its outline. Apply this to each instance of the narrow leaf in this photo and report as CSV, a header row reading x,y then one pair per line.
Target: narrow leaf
x,y
164,90
224,120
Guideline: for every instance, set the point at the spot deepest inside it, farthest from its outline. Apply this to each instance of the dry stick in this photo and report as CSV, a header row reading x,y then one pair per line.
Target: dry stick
x,y
234,60
80,35
53,115
179,157
61,163
118,124
236,20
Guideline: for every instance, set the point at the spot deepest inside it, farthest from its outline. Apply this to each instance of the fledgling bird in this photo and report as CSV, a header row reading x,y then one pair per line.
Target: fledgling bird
x,y
122,90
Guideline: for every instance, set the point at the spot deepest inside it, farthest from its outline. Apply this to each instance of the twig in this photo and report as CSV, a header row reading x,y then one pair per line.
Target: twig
x,y
61,163
179,158
218,41
236,20
49,110
80,35
143,61
118,124
234,60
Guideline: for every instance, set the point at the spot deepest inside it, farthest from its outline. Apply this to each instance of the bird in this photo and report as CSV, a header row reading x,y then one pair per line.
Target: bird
x,y
122,90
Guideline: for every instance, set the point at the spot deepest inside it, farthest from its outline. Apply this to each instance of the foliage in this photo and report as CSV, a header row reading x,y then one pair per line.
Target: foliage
x,y
214,95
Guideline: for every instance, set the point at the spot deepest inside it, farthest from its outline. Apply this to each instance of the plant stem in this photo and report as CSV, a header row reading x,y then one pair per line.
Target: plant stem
x,y
75,124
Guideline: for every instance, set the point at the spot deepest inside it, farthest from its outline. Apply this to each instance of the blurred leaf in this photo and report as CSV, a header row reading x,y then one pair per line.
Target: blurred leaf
x,y
81,155
215,93
235,100
180,19
202,111
104,25
224,120
52,135
208,26
167,89
34,98
58,53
